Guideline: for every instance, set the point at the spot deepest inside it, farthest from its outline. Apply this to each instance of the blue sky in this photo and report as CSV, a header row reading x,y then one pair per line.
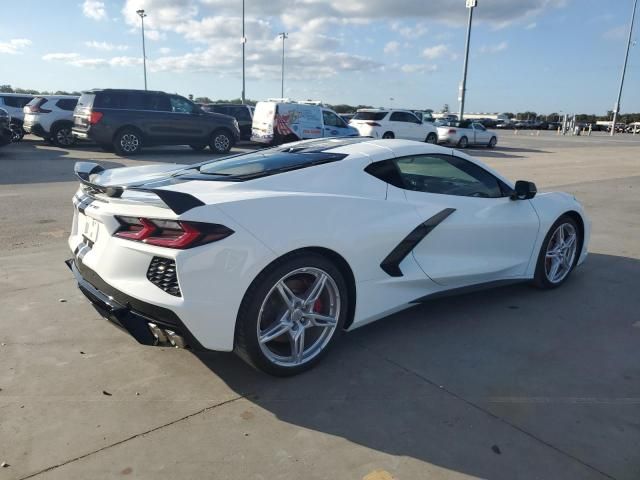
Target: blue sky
x,y
541,55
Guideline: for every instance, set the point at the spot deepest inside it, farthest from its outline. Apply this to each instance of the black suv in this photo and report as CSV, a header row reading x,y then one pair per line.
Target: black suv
x,y
242,113
5,128
125,120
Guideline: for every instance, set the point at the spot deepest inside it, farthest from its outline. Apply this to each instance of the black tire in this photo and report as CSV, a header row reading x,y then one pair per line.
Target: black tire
x,y
247,345
492,142
388,135
432,138
540,279
198,148
62,136
127,141
17,133
221,141
463,142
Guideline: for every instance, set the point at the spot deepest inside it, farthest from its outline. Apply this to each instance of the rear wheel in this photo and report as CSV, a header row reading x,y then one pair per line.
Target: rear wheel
x,y
127,142
62,136
291,314
388,135
463,142
559,253
221,141
17,133
432,138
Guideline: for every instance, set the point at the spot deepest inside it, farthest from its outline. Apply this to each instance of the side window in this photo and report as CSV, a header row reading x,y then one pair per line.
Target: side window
x,y
397,117
242,114
157,103
444,174
330,119
180,105
479,126
110,100
16,102
67,103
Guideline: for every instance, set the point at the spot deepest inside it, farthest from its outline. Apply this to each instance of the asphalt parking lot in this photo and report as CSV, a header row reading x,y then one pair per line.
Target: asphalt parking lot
x,y
512,383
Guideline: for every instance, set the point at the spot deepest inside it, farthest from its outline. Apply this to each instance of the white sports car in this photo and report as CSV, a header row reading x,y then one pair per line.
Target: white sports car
x,y
274,253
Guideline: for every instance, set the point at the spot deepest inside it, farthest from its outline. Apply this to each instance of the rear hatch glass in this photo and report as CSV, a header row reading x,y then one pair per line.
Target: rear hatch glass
x,y
370,116
82,111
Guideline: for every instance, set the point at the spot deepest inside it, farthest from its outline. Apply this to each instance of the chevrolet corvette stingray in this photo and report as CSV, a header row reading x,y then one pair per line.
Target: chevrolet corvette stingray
x,y
276,252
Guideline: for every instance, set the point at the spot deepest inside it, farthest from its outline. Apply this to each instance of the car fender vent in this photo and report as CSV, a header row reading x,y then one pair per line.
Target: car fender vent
x,y
162,273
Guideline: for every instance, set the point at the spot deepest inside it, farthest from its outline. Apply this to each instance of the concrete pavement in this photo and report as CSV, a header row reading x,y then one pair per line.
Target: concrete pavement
x,y
511,383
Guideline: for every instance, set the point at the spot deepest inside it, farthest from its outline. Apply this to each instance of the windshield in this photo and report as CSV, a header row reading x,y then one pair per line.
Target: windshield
x,y
376,116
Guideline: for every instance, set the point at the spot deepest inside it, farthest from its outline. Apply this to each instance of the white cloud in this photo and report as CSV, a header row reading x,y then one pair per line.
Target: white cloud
x,y
436,51
14,46
418,68
76,60
94,9
531,26
494,48
392,47
409,32
105,46
165,50
60,57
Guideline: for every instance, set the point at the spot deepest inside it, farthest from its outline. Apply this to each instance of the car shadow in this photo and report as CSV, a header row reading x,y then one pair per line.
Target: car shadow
x,y
456,380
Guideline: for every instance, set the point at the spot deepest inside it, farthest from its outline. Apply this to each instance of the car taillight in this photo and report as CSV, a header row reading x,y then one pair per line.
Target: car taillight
x,y
95,117
170,233
373,124
452,130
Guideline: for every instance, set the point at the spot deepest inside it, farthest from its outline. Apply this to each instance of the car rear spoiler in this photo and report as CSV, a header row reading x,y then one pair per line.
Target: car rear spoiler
x,y
179,202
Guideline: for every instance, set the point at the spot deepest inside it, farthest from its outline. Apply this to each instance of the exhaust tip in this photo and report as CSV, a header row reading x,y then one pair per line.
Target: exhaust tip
x,y
165,338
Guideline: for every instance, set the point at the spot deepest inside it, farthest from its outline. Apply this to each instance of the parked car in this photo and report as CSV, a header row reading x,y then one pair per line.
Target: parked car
x,y
242,113
51,117
282,121
465,133
391,123
5,128
347,117
127,120
274,253
14,104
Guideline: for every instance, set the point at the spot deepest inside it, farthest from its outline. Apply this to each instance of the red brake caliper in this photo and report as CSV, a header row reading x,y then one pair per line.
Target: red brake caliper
x,y
317,306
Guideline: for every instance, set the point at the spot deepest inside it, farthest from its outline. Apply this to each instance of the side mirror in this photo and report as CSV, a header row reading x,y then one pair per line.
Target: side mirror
x,y
524,190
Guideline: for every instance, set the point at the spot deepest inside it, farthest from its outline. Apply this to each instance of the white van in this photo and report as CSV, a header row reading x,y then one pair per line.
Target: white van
x,y
278,121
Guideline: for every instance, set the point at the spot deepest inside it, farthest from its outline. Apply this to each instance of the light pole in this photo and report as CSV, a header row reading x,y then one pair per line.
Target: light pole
x,y
244,41
471,4
283,36
144,53
616,107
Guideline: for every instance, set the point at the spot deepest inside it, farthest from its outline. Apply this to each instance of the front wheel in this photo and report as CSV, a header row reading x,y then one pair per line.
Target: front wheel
x,y
432,138
221,141
559,253
388,135
492,142
17,133
291,314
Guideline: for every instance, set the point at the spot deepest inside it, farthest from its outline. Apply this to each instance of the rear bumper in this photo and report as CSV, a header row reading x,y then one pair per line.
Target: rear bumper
x,y
130,314
35,129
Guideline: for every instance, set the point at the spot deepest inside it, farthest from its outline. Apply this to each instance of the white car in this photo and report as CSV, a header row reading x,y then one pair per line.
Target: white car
x,y
274,253
51,117
379,123
465,133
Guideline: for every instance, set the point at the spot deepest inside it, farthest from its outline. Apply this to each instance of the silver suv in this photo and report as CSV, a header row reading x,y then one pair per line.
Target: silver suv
x,y
51,117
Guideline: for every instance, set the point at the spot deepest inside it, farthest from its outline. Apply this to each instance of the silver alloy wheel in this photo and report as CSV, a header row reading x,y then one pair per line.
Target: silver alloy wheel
x,y
432,138
64,137
463,142
561,252
298,317
221,142
129,142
